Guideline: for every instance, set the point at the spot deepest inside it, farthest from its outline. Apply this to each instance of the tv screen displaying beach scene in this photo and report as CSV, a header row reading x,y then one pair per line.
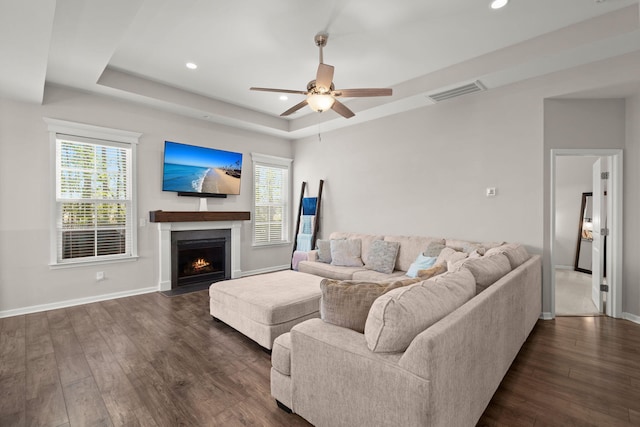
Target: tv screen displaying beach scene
x,y
200,170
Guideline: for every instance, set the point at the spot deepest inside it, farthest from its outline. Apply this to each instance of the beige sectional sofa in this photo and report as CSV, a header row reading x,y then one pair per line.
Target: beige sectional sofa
x,y
432,352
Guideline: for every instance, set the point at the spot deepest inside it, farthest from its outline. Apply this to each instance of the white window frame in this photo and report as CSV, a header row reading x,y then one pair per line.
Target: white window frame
x,y
278,162
108,136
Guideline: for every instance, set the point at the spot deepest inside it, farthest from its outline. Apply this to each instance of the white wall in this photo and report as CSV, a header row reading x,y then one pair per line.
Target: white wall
x,y
25,277
573,177
425,171
631,244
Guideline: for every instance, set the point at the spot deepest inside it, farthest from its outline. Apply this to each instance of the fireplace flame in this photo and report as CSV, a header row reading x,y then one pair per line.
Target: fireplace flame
x,y
200,264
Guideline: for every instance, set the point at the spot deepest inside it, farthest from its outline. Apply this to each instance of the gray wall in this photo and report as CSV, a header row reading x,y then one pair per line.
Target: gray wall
x,y
25,277
631,244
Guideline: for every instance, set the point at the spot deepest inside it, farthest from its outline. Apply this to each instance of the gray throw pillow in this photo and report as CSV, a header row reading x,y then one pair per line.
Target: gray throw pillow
x,y
346,253
382,256
324,251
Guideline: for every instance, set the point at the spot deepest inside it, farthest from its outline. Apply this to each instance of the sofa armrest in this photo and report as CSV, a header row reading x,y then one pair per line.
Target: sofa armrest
x,y
472,348
338,381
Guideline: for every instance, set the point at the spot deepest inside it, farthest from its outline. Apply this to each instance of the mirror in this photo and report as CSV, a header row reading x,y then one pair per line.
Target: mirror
x,y
585,235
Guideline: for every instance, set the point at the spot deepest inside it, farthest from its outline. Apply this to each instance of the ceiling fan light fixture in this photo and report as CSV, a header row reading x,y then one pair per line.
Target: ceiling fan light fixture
x,y
320,102
498,4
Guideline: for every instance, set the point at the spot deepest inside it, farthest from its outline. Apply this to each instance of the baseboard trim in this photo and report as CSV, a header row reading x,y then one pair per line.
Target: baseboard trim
x,y
631,317
545,315
74,302
265,270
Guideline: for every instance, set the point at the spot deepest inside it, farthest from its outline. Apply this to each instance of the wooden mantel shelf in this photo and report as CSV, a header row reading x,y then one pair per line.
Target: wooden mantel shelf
x,y
189,216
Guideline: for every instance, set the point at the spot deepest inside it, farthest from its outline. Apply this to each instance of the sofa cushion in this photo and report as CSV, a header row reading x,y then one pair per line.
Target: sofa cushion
x,y
329,271
486,270
421,263
399,315
346,303
468,246
410,247
346,253
324,251
382,256
376,276
366,240
281,354
450,256
516,253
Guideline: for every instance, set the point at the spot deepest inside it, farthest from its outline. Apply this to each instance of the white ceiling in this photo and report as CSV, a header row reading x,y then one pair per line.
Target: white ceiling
x,y
137,50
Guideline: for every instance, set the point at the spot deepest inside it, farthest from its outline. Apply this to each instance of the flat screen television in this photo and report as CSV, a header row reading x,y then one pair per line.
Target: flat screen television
x,y
190,170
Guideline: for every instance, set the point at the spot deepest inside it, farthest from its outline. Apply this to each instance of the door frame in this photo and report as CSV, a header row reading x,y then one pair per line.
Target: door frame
x,y
614,250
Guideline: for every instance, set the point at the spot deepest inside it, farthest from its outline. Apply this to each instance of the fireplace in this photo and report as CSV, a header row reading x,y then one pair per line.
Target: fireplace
x,y
200,257
200,223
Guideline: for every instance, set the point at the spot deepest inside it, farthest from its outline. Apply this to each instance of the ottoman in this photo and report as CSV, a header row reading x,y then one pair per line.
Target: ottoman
x,y
264,306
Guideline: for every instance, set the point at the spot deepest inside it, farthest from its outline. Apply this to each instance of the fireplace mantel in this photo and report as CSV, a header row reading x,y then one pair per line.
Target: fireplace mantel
x,y
197,216
188,221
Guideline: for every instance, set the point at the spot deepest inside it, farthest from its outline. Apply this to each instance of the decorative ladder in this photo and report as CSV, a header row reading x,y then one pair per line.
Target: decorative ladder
x,y
308,221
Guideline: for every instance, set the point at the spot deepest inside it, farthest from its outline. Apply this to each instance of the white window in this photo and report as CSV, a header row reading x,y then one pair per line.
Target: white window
x,y
94,199
271,186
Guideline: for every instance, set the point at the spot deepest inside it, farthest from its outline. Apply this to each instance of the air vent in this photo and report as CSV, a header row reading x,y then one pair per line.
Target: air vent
x,y
476,86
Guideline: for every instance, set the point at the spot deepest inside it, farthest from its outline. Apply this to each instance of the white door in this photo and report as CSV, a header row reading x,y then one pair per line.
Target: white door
x,y
599,223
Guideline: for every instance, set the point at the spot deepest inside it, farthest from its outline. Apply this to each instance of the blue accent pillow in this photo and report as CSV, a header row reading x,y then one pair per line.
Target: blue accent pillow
x,y
421,263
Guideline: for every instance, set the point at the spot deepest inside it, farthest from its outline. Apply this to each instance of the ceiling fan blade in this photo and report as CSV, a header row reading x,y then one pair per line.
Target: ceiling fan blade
x,y
324,77
294,108
349,93
342,109
266,89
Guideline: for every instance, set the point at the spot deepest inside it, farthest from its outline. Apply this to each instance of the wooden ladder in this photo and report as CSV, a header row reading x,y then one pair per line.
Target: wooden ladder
x,y
316,222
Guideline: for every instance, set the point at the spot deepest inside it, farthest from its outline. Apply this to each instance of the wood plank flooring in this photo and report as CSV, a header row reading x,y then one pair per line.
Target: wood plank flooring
x,y
150,360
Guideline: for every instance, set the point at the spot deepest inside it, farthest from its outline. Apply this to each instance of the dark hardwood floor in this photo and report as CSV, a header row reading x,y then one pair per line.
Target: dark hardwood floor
x,y
150,360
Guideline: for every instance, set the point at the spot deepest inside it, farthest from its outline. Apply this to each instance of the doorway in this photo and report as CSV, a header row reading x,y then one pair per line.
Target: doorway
x,y
575,292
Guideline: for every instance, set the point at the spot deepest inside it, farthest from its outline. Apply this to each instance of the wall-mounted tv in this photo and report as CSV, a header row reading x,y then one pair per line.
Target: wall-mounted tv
x,y
200,171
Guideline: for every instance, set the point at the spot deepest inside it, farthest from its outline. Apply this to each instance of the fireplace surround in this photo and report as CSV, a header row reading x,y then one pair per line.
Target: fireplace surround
x,y
173,223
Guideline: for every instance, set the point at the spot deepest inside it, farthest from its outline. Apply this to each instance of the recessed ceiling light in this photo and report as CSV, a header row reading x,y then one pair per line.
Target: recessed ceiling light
x,y
497,4
191,66
284,97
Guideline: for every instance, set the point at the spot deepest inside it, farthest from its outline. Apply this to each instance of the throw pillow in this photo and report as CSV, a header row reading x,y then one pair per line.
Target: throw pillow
x,y
432,272
324,251
450,255
382,256
398,316
434,249
346,253
346,303
421,263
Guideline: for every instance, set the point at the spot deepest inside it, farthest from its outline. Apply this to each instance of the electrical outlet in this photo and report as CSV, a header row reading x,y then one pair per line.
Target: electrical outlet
x,y
100,275
491,192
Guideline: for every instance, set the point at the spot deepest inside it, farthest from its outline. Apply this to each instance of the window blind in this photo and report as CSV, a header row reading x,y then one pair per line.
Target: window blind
x,y
93,199
271,203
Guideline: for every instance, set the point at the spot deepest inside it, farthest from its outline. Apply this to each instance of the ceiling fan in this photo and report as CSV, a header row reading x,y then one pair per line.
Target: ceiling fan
x,y
321,92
